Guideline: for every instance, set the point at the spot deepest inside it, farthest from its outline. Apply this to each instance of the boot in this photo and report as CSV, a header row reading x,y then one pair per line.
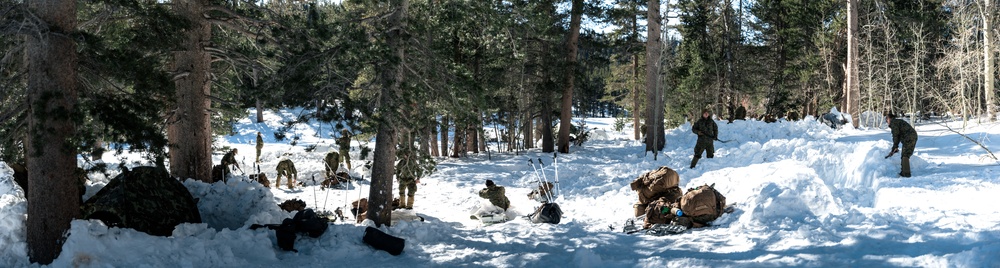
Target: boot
x,y
694,162
905,170
402,201
409,203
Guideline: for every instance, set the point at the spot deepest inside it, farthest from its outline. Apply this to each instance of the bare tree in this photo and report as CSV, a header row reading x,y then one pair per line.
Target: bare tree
x,y
53,198
853,93
988,11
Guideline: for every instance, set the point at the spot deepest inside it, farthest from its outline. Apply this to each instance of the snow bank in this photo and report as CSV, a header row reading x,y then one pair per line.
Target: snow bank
x,y
12,218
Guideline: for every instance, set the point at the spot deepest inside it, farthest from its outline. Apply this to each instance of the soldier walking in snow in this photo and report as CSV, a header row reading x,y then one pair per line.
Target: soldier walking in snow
x,y
902,132
707,132
260,145
344,142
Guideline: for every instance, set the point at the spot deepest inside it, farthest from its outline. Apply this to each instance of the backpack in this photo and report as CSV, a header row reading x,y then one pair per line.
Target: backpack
x,y
655,215
305,221
655,184
383,241
547,213
703,204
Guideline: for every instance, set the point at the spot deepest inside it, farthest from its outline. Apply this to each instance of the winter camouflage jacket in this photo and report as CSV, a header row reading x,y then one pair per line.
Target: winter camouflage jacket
x,y
901,131
496,195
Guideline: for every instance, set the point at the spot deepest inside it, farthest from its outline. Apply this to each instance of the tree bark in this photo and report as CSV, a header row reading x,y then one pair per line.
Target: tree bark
x,y
566,115
53,197
546,126
989,60
654,107
189,130
383,166
432,135
260,111
529,131
853,93
444,135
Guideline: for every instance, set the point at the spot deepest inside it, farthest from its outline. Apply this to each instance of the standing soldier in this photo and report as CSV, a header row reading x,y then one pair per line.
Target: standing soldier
x,y
406,175
286,168
902,132
260,145
707,132
344,142
332,163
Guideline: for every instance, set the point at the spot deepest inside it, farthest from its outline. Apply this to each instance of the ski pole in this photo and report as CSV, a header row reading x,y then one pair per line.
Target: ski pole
x,y
545,178
538,179
555,165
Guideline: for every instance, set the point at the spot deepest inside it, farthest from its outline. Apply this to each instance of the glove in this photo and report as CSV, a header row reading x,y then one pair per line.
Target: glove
x,y
894,150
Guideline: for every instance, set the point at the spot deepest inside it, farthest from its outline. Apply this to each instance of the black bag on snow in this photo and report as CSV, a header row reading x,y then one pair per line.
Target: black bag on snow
x,y
307,222
547,213
383,241
286,235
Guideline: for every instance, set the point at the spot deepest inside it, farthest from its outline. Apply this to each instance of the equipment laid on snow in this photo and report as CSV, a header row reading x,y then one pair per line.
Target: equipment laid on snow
x,y
549,212
703,204
383,241
305,221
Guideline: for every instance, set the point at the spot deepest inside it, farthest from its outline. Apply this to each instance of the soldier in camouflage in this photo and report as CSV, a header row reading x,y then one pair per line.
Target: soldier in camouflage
x,y
496,195
332,161
286,168
344,143
707,132
407,173
260,145
229,160
902,132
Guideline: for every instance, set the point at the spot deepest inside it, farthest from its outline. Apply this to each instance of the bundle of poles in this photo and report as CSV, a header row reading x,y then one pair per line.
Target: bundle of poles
x,y
542,180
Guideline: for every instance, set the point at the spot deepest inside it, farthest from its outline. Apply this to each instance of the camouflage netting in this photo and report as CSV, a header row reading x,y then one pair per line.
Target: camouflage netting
x,y
146,199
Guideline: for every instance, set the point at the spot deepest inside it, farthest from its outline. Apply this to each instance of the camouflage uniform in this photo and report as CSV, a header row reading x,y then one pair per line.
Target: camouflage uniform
x,y
344,142
260,145
286,168
229,160
707,132
496,195
407,191
903,132
332,160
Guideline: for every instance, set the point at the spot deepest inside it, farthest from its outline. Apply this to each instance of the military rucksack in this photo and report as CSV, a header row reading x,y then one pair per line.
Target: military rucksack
x,y
547,213
703,204
655,213
655,184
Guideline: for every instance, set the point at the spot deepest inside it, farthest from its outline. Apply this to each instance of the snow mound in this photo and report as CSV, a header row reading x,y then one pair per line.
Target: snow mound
x,y
13,211
236,203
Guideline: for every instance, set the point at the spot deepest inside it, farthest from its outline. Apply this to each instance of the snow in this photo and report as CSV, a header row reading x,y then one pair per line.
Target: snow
x,y
804,195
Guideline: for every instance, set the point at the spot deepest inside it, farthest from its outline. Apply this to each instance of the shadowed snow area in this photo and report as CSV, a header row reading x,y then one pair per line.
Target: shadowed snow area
x,y
803,195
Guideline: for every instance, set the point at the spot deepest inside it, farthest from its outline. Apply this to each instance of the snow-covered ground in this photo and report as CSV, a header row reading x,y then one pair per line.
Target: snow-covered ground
x,y
804,194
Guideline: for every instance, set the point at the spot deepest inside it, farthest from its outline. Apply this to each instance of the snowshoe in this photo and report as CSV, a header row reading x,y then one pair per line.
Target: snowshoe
x,y
490,219
660,229
630,226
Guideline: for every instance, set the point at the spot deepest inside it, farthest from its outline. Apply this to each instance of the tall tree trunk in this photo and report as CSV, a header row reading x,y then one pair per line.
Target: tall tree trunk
x,y
654,109
989,60
459,141
529,131
546,126
53,197
260,110
566,115
425,141
853,93
189,130
432,135
636,113
444,135
383,166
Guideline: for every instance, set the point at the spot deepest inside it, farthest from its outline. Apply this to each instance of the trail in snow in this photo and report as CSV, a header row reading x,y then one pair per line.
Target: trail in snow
x,y
804,194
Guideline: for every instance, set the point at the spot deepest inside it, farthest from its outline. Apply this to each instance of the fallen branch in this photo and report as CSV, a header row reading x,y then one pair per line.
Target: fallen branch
x,y
991,155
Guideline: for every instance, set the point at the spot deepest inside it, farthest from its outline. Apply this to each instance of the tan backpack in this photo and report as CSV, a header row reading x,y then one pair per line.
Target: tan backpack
x,y
655,184
703,204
